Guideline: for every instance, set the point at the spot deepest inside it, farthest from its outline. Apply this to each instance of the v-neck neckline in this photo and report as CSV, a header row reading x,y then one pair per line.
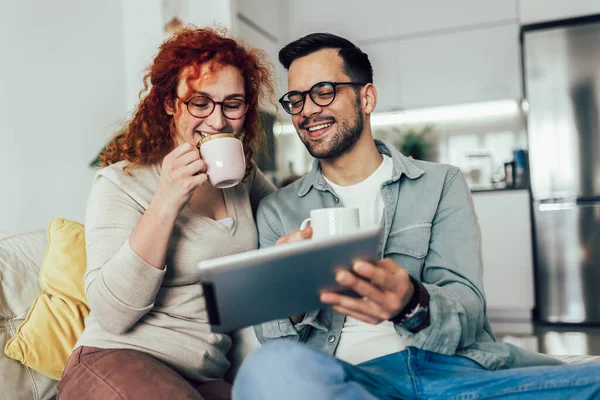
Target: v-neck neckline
x,y
213,222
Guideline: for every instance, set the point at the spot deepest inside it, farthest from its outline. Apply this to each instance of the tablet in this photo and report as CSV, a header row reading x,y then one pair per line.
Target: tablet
x,y
277,282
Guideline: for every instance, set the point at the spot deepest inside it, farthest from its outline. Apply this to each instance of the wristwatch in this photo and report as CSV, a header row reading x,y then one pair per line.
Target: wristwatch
x,y
415,315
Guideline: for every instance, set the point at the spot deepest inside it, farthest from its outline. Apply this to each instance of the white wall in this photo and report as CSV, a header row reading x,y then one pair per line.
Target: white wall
x,y
533,11
61,93
143,32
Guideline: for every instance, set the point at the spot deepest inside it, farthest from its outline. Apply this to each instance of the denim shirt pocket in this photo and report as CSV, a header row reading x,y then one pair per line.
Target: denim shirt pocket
x,y
409,245
275,329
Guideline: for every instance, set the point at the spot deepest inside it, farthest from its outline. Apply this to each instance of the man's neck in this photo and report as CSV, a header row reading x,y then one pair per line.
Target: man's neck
x,y
354,166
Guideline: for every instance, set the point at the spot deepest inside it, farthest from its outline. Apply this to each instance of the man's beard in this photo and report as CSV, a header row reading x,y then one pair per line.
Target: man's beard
x,y
344,139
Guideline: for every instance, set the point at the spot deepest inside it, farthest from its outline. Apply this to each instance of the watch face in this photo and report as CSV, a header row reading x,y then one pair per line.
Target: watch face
x,y
416,318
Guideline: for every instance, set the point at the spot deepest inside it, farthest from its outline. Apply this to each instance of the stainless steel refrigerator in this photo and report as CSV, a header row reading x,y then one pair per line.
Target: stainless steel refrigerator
x,y
561,64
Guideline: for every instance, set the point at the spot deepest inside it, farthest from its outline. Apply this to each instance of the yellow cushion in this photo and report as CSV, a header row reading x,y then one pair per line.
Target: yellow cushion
x,y
46,337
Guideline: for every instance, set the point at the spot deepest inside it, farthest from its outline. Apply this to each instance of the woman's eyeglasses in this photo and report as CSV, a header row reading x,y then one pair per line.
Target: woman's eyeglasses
x,y
203,106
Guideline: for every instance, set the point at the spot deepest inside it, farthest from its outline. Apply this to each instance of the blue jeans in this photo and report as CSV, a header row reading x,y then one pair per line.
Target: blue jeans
x,y
285,369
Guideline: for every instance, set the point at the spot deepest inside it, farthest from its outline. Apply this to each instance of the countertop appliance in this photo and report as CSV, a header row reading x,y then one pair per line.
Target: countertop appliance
x,y
561,65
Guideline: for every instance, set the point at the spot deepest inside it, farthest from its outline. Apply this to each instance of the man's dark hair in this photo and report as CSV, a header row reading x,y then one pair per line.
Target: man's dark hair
x,y
356,63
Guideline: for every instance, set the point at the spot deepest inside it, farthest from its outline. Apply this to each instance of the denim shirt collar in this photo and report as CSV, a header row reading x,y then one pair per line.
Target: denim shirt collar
x,y
402,165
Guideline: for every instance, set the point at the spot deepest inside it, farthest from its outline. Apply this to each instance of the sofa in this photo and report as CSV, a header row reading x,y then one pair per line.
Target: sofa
x,y
21,255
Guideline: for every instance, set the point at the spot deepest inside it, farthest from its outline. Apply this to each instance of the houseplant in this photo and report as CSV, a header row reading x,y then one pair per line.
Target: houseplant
x,y
418,142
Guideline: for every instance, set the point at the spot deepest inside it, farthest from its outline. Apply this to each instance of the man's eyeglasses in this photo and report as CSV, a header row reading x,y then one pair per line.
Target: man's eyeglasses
x,y
202,107
322,94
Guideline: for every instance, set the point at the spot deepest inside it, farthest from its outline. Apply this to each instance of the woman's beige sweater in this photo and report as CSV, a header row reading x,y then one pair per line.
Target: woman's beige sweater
x,y
159,312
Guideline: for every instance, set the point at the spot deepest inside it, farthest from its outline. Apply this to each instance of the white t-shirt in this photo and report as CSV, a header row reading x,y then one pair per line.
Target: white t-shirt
x,y
359,341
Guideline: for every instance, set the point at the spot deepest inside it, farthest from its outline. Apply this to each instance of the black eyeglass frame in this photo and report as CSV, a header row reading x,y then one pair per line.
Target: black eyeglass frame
x,y
282,100
214,105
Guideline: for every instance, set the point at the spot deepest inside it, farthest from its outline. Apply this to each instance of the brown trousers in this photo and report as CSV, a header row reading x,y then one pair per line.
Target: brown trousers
x,y
106,374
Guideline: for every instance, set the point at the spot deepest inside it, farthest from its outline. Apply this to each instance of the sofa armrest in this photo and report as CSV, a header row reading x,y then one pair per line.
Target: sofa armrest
x,y
21,255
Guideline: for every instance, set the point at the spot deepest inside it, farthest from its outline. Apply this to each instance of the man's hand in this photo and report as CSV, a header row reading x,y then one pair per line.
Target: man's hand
x,y
386,289
296,236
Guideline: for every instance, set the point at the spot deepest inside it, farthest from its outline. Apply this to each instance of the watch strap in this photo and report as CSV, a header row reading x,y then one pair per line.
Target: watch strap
x,y
419,300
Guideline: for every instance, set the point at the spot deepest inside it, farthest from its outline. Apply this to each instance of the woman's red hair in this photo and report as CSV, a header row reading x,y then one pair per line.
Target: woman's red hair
x,y
150,135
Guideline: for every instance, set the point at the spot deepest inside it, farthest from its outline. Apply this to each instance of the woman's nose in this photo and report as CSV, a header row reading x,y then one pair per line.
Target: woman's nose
x,y
216,119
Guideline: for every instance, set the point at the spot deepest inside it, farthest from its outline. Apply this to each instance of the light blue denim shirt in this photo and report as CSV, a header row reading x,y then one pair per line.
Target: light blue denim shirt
x,y
431,230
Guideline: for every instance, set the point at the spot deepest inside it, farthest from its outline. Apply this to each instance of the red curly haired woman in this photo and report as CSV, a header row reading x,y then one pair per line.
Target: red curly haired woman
x,y
152,215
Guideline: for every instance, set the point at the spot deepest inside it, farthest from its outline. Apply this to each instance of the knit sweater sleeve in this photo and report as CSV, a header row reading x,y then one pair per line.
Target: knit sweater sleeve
x,y
119,285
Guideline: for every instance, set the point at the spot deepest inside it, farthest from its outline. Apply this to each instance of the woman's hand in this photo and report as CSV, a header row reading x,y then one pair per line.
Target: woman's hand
x,y
183,171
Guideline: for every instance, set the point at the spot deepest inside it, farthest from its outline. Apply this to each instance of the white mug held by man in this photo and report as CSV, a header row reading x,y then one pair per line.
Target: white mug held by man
x,y
329,222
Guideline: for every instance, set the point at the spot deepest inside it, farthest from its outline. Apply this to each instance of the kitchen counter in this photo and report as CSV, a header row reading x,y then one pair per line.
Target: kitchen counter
x,y
505,223
495,189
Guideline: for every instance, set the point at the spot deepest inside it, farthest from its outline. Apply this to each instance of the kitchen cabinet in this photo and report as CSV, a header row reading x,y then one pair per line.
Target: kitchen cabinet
x,y
453,68
263,24
505,224
256,39
270,16
534,11
365,22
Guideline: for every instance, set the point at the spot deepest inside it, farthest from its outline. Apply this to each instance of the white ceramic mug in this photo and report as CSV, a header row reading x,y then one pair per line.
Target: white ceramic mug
x,y
328,222
223,154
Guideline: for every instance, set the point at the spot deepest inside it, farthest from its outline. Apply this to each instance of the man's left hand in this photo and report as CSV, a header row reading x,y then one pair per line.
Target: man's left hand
x,y
385,290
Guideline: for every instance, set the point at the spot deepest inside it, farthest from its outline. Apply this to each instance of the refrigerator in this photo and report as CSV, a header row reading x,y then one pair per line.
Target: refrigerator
x,y
561,68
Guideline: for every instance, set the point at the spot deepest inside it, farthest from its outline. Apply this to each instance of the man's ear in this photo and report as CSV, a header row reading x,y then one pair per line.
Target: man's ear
x,y
369,98
169,109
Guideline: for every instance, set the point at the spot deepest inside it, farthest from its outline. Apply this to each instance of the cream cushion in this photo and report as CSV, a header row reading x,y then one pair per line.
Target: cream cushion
x,y
20,259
